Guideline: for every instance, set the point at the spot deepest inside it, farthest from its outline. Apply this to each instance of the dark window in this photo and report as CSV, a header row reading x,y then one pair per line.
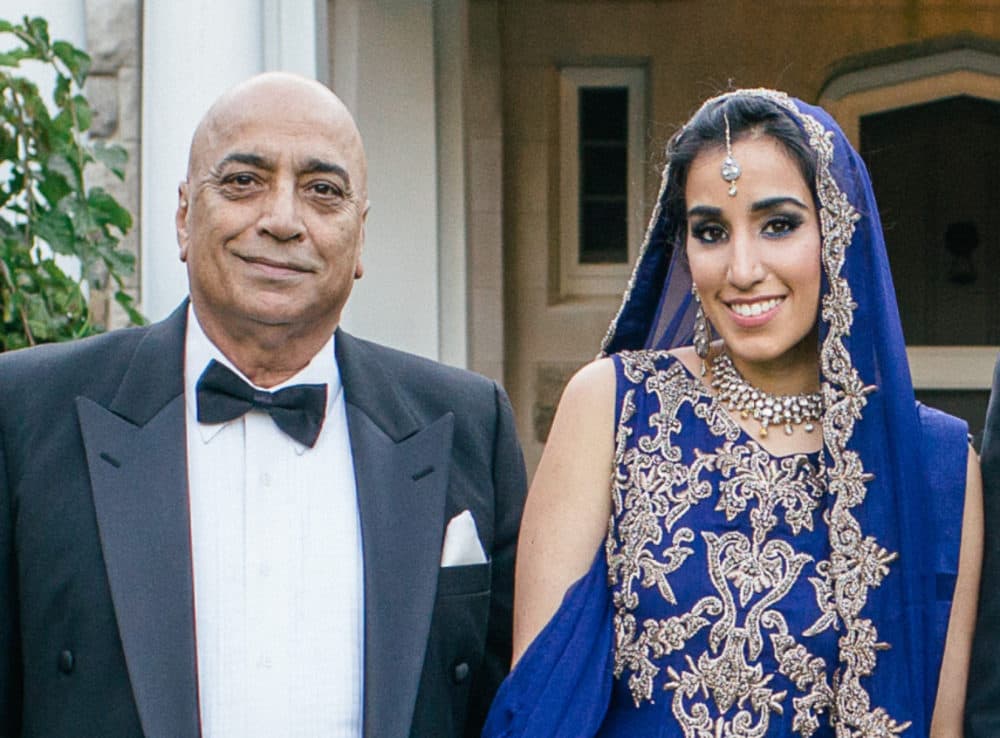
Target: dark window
x,y
934,171
603,114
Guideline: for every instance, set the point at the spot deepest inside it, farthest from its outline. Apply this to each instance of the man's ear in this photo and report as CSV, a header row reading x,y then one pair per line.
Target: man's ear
x,y
180,220
359,269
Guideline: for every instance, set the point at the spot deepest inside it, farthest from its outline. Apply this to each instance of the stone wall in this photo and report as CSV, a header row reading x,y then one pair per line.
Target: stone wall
x,y
114,89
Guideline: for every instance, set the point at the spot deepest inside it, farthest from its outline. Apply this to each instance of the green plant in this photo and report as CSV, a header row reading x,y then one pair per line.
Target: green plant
x,y
46,207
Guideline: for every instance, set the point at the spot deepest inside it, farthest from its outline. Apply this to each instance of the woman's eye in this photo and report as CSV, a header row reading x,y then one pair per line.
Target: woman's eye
x,y
782,225
708,232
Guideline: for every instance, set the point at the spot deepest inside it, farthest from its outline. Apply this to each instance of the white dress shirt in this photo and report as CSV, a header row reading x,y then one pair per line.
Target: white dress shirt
x,y
276,552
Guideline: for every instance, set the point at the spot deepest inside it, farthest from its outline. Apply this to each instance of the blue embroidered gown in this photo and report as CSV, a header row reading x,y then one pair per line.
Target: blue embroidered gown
x,y
716,558
710,611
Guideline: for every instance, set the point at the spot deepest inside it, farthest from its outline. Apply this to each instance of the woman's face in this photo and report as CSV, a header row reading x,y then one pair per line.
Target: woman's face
x,y
755,257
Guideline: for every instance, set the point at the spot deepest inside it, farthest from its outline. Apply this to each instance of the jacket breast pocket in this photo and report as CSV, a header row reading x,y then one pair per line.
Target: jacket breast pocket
x,y
463,580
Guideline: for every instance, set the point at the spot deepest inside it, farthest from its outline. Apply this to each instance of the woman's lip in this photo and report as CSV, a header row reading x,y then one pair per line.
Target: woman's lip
x,y
753,321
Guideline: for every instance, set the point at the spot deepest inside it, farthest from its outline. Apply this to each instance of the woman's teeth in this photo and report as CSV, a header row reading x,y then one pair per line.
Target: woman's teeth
x,y
753,309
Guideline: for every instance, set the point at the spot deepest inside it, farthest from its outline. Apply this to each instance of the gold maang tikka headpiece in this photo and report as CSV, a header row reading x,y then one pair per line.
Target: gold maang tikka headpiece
x,y
730,169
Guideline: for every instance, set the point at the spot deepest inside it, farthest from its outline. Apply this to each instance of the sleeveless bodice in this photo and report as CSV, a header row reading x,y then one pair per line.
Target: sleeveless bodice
x,y
718,562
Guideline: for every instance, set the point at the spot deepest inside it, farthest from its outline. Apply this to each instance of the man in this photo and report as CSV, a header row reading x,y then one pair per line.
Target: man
x,y
982,707
335,562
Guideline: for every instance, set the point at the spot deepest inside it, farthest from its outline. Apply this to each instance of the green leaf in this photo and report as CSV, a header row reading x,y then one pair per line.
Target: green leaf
x,y
107,211
62,164
120,262
6,26
125,300
14,57
62,124
60,94
53,186
76,61
112,156
38,28
8,146
83,114
56,229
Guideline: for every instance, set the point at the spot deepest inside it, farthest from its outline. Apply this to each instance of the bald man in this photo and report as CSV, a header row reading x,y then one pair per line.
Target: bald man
x,y
243,521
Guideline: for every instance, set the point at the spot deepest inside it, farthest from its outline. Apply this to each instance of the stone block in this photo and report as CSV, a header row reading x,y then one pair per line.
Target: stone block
x,y
113,34
102,93
130,104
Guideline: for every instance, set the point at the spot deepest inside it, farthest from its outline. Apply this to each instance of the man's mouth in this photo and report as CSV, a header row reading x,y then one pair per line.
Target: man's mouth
x,y
275,264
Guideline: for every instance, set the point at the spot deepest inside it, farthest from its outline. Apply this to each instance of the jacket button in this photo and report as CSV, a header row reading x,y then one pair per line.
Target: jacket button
x,y
460,672
66,661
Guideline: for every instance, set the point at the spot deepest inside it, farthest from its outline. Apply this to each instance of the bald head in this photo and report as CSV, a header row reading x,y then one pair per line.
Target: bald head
x,y
279,96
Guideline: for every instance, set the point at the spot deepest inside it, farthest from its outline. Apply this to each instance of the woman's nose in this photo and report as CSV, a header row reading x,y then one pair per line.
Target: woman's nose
x,y
745,266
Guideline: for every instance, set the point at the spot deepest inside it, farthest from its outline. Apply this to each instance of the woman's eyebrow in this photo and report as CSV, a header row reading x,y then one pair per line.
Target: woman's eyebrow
x,y
770,203
705,211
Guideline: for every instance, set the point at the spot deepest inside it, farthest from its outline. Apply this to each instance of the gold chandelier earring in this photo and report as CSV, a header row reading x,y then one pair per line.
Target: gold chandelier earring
x,y
702,331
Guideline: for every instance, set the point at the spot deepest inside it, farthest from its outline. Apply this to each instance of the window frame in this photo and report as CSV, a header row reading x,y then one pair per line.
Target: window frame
x,y
577,279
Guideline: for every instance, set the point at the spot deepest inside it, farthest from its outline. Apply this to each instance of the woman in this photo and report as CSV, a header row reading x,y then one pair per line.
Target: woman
x,y
794,543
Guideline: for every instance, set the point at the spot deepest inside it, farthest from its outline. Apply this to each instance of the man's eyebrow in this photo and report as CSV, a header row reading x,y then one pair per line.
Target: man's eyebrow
x,y
319,166
772,202
253,160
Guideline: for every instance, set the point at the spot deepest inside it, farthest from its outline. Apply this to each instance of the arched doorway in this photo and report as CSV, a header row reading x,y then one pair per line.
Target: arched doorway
x,y
929,129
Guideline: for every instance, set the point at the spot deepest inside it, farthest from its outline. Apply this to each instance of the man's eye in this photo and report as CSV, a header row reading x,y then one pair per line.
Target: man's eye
x,y
240,180
325,189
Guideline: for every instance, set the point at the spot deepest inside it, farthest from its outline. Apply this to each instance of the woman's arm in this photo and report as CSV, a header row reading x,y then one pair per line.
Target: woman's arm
x,y
569,503
950,702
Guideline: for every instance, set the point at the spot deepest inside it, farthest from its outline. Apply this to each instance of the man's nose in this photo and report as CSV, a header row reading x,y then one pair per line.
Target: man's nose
x,y
745,266
282,219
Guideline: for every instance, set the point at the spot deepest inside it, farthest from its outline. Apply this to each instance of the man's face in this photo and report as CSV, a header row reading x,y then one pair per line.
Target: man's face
x,y
271,218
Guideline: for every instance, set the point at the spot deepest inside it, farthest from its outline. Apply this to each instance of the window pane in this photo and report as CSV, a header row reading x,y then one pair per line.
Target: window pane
x,y
603,114
605,170
603,175
603,231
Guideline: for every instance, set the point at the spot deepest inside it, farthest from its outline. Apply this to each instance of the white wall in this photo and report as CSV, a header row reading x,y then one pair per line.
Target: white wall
x,y
383,68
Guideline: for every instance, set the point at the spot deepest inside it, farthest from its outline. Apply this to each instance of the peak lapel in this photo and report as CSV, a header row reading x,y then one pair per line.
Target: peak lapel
x,y
137,461
402,472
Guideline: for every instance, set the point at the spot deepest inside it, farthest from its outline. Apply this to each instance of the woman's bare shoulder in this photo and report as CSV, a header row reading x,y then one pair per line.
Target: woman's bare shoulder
x,y
592,381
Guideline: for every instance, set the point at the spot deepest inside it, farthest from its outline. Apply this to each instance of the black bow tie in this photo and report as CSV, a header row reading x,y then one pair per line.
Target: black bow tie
x,y
298,410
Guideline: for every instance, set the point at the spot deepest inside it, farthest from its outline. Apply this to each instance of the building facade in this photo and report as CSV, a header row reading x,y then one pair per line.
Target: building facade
x,y
515,147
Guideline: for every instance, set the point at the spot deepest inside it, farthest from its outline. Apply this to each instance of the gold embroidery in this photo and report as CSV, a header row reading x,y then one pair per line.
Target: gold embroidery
x,y
654,489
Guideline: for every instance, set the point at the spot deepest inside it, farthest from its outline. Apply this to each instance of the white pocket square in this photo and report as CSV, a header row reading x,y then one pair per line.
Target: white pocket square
x,y
461,542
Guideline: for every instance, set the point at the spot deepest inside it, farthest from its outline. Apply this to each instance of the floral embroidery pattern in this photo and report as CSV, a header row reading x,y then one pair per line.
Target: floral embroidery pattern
x,y
654,490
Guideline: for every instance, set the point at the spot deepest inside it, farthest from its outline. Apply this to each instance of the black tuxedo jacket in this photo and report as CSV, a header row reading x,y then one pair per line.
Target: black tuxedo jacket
x,y
96,598
982,708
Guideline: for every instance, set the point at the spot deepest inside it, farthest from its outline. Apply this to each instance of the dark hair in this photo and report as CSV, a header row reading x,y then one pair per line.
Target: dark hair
x,y
748,115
